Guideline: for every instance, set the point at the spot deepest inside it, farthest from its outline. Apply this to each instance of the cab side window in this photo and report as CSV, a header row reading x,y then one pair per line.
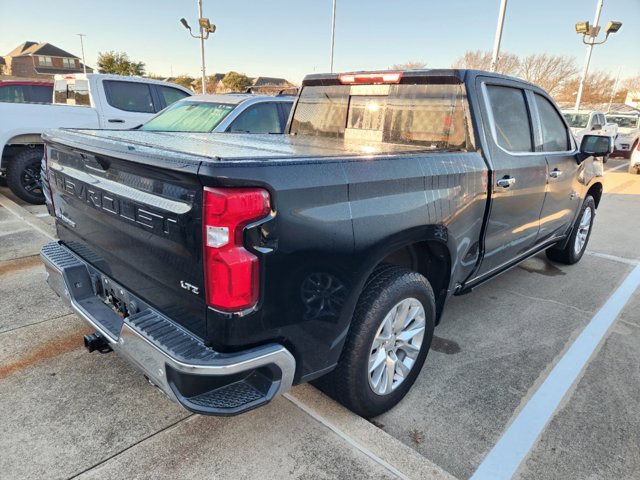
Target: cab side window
x,y
511,118
555,136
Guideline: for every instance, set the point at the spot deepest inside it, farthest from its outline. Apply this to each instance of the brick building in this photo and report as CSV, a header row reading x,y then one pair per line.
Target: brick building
x,y
40,60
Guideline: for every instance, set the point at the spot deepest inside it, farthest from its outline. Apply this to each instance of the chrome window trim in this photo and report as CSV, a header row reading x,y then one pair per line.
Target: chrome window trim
x,y
572,141
492,126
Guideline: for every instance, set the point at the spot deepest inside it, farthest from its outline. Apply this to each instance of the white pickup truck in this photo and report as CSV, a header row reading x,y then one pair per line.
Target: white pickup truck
x,y
628,132
589,123
79,101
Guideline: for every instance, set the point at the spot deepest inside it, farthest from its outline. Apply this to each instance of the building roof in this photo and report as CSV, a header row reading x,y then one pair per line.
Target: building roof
x,y
33,48
20,49
262,81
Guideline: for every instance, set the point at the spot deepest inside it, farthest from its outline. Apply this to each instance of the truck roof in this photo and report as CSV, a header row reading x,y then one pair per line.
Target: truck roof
x,y
109,76
235,98
453,75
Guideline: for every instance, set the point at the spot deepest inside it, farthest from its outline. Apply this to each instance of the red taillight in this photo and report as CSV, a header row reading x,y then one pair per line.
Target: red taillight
x,y
368,78
232,276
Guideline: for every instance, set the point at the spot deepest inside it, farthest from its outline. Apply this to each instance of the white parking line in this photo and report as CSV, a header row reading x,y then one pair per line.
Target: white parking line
x,y
506,456
615,258
619,167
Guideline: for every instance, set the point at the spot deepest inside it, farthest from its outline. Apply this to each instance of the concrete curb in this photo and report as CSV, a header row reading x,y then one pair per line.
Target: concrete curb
x,y
374,442
27,217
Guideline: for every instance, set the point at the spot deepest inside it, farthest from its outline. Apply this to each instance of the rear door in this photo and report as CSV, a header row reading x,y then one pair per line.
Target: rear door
x,y
519,174
556,142
261,117
128,104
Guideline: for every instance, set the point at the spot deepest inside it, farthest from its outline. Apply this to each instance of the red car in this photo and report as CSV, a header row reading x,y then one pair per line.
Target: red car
x,y
26,91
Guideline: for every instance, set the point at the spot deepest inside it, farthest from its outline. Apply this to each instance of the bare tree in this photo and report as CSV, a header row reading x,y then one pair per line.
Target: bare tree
x,y
597,88
508,63
548,71
411,65
631,84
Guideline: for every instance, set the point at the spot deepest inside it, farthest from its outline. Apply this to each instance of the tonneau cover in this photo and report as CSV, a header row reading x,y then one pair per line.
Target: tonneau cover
x,y
220,146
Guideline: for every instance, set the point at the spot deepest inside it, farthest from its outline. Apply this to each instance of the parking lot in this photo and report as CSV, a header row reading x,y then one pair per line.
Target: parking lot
x,y
71,414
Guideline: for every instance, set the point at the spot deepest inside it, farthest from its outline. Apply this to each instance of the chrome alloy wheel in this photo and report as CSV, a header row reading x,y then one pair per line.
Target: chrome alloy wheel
x,y
583,231
396,346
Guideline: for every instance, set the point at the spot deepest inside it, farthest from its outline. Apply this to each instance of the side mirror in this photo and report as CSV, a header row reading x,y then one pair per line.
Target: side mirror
x,y
596,126
595,146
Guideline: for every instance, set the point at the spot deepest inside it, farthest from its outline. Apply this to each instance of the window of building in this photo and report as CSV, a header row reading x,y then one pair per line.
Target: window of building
x,y
45,61
69,62
511,118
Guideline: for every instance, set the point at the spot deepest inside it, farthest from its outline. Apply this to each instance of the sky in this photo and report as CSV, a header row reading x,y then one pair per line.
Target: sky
x,y
287,38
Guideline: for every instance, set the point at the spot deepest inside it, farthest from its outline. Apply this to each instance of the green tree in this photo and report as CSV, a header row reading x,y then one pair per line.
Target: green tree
x,y
236,82
119,63
185,80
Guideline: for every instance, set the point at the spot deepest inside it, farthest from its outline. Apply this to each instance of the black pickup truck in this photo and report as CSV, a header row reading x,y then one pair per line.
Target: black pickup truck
x,y
230,267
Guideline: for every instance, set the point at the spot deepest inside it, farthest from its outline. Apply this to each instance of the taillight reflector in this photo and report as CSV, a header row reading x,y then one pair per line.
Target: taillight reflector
x,y
369,78
231,272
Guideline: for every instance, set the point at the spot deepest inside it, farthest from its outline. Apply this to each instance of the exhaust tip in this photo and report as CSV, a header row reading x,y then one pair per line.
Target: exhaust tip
x,y
96,342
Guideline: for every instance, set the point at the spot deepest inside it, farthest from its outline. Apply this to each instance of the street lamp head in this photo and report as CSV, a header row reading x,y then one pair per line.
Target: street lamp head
x,y
206,25
613,27
185,24
582,27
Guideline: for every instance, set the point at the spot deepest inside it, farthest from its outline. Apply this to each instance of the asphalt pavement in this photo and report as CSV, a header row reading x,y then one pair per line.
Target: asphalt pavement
x,y
70,414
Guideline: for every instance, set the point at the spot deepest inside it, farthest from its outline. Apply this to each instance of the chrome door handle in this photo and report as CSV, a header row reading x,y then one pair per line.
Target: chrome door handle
x,y
506,182
555,173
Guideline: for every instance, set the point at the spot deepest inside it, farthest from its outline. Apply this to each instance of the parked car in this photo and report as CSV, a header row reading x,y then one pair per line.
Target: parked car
x,y
634,161
628,133
231,113
26,91
81,101
592,123
229,267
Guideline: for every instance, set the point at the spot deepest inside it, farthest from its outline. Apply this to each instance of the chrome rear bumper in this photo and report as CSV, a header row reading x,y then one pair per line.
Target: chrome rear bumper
x,y
178,363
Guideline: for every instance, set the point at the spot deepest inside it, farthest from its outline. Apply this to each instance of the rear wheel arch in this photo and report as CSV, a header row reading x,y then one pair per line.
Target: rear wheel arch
x,y
430,258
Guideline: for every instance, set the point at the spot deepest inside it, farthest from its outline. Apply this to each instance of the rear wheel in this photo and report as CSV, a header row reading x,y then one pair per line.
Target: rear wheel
x,y
387,344
23,176
577,244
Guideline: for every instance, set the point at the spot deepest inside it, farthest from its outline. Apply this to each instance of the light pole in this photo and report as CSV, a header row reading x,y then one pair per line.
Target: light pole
x,y
206,28
84,64
333,33
589,34
498,39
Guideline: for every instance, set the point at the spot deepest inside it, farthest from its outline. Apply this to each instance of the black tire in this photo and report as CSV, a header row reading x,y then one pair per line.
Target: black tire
x,y
350,382
570,254
23,176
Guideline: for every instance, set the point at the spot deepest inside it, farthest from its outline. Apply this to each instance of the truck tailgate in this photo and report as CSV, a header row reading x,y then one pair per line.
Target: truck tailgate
x,y
138,222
